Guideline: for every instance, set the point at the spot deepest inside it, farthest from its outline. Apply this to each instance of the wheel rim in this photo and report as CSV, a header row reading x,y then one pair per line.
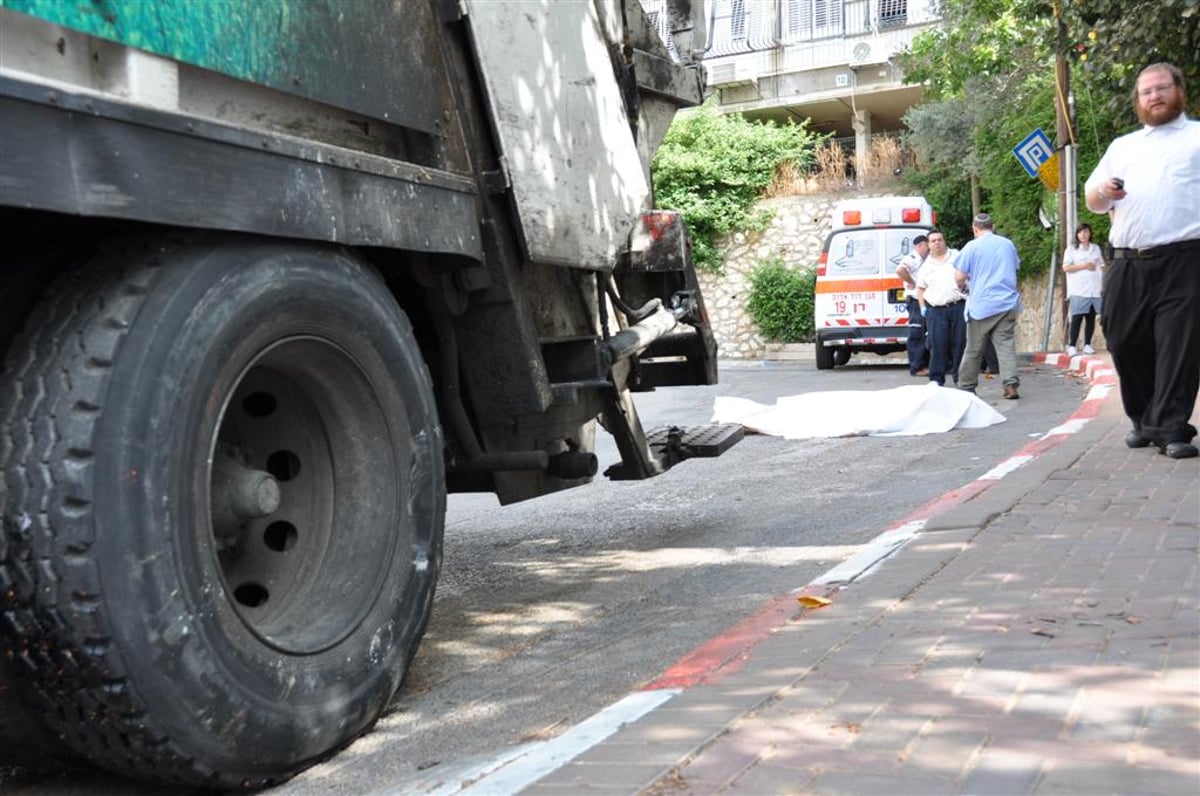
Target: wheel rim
x,y
304,495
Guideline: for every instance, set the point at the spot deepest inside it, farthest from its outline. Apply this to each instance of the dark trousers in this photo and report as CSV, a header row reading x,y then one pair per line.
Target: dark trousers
x,y
1089,328
1152,329
947,339
918,354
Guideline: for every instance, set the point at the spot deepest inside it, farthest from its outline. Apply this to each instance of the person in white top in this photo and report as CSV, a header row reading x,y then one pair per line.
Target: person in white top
x,y
942,307
1084,265
1149,183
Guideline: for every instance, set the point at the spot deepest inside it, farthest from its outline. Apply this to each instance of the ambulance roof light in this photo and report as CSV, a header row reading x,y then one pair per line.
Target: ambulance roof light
x,y
910,215
851,218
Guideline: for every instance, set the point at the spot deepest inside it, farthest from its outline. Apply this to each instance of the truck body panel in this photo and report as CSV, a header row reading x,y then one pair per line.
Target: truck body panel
x,y
552,116
310,48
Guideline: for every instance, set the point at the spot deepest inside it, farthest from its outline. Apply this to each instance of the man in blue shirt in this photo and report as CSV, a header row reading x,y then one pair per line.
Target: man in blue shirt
x,y
987,268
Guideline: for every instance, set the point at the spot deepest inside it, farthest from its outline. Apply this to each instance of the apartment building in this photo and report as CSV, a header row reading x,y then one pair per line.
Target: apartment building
x,y
830,61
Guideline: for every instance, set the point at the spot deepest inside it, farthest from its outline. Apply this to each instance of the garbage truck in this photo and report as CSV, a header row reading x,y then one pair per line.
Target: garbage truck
x,y
278,277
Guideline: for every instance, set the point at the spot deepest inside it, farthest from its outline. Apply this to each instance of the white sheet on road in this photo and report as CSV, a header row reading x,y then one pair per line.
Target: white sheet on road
x,y
901,411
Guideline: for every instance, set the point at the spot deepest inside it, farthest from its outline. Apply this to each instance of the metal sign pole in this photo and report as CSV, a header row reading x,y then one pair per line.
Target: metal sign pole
x,y
1049,319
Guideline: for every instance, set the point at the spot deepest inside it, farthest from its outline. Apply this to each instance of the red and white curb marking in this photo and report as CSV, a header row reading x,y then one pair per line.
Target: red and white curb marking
x,y
520,767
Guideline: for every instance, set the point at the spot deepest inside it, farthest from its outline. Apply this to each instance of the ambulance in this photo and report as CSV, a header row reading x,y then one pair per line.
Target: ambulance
x,y
859,302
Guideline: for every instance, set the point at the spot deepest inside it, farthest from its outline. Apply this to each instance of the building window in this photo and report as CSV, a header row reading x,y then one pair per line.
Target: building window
x,y
737,20
736,26
813,19
892,13
659,20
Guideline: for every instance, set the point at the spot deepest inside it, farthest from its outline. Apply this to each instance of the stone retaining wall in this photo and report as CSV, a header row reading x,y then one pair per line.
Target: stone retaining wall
x,y
795,235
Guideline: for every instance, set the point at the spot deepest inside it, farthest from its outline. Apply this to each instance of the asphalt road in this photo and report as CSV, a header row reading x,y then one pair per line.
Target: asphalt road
x,y
550,610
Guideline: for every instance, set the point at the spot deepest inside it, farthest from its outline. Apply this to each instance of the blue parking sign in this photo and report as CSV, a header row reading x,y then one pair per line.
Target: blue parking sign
x,y
1035,150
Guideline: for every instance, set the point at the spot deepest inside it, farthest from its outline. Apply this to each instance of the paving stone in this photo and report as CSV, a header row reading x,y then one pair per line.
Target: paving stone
x,y
1002,773
766,778
909,784
627,776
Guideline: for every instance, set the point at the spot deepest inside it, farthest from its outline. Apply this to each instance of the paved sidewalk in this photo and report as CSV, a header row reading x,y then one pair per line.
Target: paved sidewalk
x,y
1041,636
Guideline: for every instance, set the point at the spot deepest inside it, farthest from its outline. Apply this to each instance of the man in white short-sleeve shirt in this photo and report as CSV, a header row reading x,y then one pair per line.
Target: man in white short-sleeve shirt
x,y
1149,183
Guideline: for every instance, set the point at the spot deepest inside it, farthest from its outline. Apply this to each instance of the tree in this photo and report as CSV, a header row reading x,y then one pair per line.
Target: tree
x,y
1114,39
977,40
989,69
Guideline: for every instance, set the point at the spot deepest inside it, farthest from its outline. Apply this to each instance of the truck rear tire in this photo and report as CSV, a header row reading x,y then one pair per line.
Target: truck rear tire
x,y
824,356
223,503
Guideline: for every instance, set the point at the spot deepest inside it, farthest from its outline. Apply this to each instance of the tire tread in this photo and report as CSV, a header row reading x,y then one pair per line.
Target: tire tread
x,y
59,369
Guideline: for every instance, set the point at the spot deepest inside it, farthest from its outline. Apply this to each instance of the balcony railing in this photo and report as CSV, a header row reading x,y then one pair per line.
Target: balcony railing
x,y
740,26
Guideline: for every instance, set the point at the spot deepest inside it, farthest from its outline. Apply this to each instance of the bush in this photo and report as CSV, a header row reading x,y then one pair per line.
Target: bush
x,y
781,301
712,168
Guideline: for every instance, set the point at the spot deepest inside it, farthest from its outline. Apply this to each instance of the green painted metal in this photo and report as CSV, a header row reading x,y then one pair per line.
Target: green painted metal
x,y
242,39
349,53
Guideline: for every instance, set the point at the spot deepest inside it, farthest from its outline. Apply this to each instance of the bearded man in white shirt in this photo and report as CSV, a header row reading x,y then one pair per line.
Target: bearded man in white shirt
x,y
1149,183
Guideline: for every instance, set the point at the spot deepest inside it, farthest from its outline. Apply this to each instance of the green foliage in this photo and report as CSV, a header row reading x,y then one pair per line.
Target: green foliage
x,y
1013,198
1119,37
950,195
978,40
712,168
781,301
942,132
989,68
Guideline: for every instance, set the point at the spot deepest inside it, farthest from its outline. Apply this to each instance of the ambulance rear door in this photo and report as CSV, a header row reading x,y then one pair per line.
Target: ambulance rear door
x,y
849,293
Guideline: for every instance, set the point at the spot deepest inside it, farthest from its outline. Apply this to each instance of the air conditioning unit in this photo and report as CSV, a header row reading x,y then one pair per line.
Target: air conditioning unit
x,y
866,53
732,73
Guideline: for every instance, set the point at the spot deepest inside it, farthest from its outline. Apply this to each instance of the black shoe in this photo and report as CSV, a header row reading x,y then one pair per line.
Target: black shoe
x,y
1180,450
1134,439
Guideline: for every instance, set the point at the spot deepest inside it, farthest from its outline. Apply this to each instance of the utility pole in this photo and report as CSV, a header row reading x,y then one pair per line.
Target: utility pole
x,y
1067,210
1062,119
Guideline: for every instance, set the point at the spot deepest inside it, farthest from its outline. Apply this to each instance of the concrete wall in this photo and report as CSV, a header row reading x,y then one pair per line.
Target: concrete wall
x,y
796,235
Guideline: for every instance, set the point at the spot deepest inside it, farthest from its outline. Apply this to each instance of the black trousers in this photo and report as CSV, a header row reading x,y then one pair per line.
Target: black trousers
x,y
947,338
1088,330
918,353
1152,327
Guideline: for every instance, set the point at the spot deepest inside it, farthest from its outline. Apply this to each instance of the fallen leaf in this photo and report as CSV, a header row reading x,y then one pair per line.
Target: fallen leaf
x,y
1133,620
812,601
1041,631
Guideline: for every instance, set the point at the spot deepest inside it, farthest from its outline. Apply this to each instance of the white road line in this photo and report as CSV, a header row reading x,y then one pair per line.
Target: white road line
x,y
1004,468
1073,426
876,551
518,769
